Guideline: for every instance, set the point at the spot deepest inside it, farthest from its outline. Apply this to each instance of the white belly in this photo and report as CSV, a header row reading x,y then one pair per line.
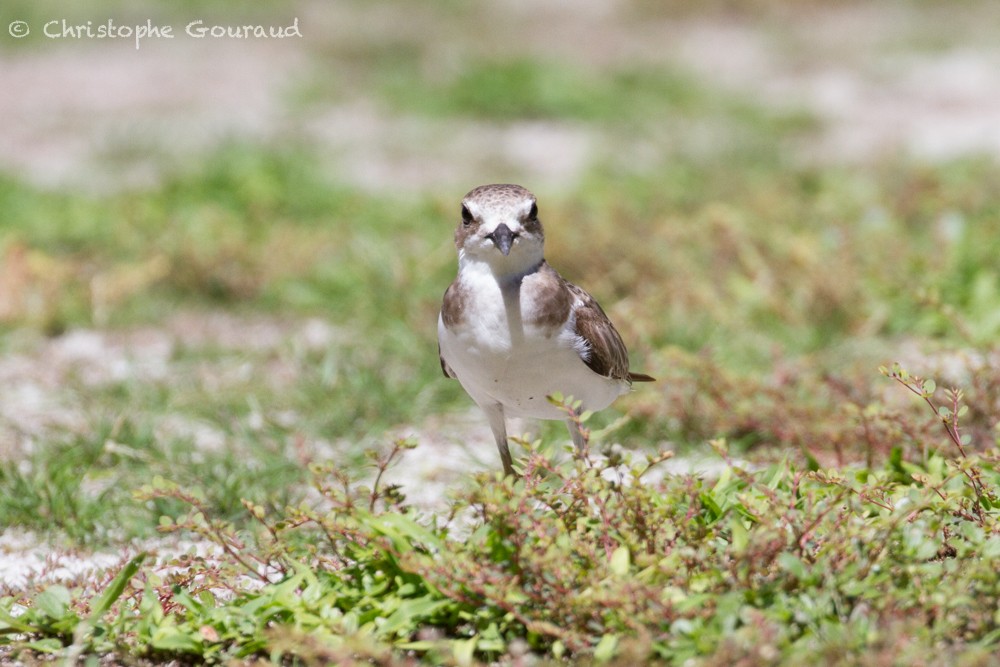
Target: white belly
x,y
520,371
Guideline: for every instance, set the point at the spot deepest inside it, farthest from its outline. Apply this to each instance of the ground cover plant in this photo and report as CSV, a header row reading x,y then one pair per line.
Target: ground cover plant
x,y
577,558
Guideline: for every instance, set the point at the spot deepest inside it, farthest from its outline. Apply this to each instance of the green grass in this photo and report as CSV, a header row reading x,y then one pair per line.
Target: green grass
x,y
83,487
528,88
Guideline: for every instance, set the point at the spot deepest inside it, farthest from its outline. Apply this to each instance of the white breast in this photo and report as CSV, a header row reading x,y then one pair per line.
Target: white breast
x,y
499,359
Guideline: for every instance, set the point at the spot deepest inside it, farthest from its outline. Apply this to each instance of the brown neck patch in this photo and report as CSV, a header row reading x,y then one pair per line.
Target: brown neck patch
x,y
454,304
550,295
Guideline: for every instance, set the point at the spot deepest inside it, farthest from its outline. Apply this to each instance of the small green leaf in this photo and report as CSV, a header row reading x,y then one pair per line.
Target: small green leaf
x,y
10,622
605,649
929,387
115,588
710,506
793,565
740,535
404,532
464,650
411,613
53,601
896,459
620,561
991,548
169,638
50,645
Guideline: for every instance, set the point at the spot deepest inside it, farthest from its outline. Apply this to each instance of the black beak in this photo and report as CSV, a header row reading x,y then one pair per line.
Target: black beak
x,y
502,238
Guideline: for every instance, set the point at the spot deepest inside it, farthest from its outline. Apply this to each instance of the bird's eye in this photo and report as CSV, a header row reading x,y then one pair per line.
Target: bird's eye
x,y
533,213
466,215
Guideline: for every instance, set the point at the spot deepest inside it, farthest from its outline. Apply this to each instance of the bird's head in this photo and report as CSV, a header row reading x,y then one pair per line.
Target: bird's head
x,y
500,227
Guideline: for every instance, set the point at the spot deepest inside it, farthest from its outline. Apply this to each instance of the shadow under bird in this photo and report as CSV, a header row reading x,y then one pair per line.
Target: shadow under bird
x,y
513,331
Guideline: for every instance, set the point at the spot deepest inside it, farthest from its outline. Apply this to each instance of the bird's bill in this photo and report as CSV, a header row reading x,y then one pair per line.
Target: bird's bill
x,y
502,238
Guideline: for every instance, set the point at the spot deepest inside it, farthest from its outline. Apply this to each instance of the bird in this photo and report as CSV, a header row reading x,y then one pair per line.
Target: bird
x,y
514,332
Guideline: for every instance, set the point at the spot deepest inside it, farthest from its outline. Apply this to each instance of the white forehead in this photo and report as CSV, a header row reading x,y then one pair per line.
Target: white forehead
x,y
495,203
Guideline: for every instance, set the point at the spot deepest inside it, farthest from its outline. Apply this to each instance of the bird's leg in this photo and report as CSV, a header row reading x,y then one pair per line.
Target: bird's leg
x,y
494,413
580,435
576,432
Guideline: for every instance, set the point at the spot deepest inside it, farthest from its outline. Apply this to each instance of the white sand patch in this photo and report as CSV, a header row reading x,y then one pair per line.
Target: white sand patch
x,y
24,560
78,103
42,379
29,560
453,447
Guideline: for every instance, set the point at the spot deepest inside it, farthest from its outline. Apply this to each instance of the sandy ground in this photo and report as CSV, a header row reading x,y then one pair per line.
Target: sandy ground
x,y
103,114
98,115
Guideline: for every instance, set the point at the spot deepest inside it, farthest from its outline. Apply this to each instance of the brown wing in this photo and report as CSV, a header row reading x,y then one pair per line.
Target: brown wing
x,y
452,314
606,354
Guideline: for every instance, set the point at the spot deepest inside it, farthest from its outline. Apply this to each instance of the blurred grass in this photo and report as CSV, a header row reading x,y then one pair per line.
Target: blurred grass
x,y
252,231
750,283
804,256
82,486
532,88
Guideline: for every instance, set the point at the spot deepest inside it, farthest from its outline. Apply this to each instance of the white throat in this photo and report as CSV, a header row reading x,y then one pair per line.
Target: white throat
x,y
505,269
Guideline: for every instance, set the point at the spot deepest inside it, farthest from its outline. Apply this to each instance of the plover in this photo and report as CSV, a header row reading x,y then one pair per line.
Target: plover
x,y
513,331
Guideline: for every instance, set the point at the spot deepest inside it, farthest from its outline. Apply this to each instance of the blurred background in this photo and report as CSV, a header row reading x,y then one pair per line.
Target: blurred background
x,y
221,258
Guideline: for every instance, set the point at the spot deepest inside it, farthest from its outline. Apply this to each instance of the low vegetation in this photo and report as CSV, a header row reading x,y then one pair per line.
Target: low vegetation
x,y
577,558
